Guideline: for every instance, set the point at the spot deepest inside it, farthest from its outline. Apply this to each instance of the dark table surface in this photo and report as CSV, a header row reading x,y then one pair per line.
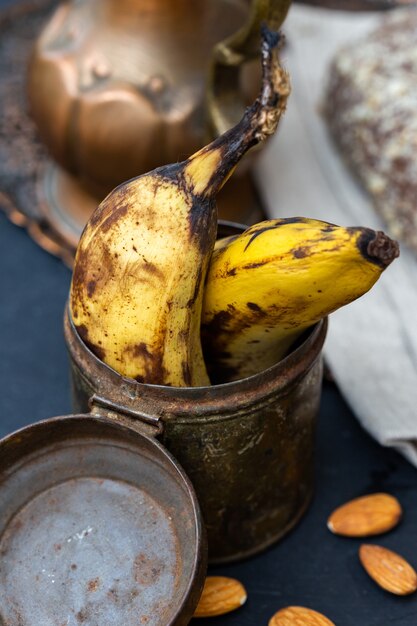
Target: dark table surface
x,y
310,567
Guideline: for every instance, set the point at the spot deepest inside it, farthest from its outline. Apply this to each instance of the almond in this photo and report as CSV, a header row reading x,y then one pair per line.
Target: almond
x,y
299,616
220,595
388,569
366,516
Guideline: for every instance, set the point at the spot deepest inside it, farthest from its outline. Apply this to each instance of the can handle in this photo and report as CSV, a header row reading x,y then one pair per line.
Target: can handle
x,y
230,54
122,413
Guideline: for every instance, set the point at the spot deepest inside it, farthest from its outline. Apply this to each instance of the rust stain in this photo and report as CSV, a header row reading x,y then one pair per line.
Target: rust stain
x,y
82,616
113,595
16,525
146,570
93,584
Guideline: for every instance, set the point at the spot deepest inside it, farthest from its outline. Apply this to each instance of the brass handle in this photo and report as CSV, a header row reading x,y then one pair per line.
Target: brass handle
x,y
229,55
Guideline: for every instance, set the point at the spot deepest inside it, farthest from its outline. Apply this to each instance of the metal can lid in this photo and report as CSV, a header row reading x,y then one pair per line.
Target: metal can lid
x,y
98,525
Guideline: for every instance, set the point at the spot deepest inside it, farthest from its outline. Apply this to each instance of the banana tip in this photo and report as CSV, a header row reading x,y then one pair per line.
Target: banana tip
x,y
382,249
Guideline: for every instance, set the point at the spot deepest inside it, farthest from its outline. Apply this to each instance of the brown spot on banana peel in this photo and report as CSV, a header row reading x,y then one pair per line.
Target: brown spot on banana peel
x,y
255,307
301,252
82,330
120,208
226,324
151,268
202,230
186,373
201,207
80,278
154,372
91,287
83,278
223,326
329,227
232,321
258,230
196,293
251,266
115,216
218,323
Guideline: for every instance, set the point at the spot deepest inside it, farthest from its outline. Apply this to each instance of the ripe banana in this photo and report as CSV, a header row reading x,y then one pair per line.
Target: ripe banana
x,y
139,273
269,284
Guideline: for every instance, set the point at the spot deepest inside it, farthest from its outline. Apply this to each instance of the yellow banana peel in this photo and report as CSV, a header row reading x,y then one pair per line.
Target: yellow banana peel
x,y
266,286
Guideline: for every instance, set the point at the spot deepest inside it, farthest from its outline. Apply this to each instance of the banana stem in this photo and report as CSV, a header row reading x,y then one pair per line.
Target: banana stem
x,y
258,122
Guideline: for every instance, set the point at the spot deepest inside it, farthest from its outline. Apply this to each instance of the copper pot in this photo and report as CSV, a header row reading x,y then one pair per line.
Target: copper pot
x,y
118,88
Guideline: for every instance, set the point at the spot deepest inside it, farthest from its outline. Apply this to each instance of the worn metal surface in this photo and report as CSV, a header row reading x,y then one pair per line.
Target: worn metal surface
x,y
98,525
129,80
247,446
37,194
128,94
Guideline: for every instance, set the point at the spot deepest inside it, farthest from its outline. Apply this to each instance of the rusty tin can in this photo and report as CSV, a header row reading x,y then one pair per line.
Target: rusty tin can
x,y
247,446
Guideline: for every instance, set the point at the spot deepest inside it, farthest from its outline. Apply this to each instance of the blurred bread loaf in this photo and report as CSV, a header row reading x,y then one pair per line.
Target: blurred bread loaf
x,y
370,106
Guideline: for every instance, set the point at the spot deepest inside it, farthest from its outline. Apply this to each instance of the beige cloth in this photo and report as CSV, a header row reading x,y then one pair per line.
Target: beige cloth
x,y
372,343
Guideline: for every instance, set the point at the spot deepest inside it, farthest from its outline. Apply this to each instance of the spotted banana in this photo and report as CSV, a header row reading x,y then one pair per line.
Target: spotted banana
x,y
266,286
